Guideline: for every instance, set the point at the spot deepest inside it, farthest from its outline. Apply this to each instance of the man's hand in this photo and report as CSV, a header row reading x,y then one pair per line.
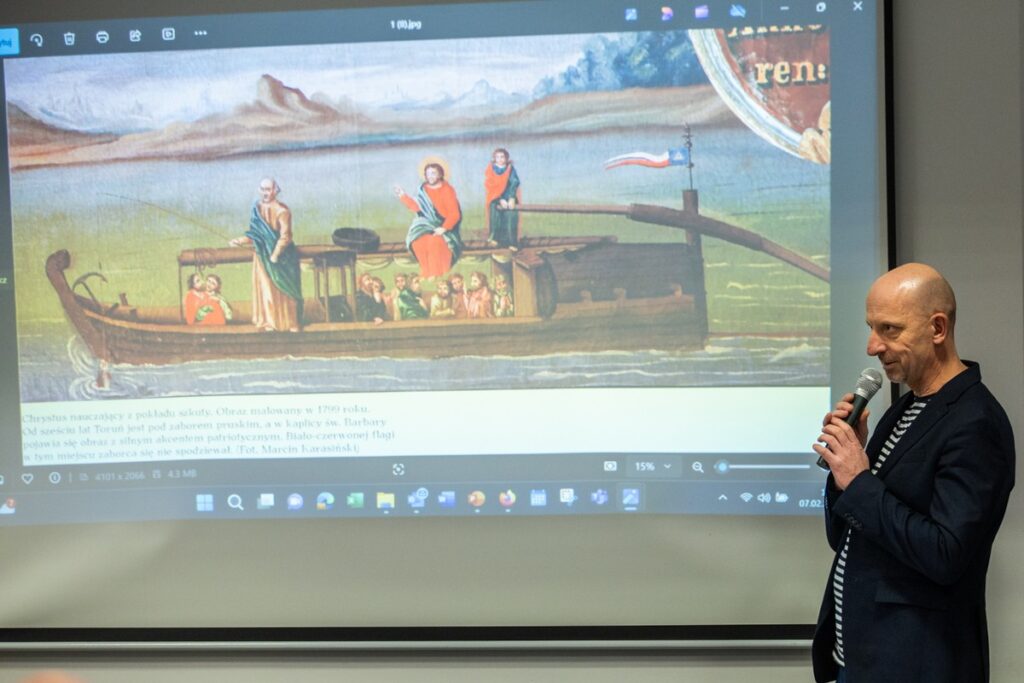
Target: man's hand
x,y
842,410
841,445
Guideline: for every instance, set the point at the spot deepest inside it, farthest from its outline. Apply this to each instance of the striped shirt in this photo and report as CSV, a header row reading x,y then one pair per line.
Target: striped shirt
x,y
908,417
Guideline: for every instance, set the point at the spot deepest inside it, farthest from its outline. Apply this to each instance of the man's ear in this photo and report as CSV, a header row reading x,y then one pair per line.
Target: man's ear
x,y
940,327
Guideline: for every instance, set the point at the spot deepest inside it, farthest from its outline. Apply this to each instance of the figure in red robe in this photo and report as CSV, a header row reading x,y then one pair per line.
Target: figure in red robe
x,y
433,237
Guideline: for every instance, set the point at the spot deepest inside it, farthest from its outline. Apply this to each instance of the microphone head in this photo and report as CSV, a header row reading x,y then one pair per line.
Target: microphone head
x,y
868,384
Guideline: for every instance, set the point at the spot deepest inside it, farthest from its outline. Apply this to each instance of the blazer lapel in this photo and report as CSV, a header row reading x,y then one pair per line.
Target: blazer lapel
x,y
929,417
937,407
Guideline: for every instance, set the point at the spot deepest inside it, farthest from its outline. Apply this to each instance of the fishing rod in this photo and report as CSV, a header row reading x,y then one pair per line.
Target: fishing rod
x,y
172,212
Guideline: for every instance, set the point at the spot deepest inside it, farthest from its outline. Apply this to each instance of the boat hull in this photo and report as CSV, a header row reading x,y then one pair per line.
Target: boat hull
x,y
580,309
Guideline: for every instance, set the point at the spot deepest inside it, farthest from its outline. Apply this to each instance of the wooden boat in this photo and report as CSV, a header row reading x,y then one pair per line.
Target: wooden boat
x,y
571,295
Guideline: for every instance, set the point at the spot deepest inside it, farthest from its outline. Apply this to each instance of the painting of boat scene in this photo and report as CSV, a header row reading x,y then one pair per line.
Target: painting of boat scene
x,y
525,213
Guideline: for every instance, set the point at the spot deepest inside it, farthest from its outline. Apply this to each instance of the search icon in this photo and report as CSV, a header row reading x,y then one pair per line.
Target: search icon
x,y
235,502
698,466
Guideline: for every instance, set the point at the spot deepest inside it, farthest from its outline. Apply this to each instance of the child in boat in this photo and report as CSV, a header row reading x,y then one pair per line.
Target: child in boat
x,y
194,297
503,307
214,310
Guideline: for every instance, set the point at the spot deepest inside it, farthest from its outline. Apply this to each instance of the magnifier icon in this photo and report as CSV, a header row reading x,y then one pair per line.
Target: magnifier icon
x,y
697,467
235,502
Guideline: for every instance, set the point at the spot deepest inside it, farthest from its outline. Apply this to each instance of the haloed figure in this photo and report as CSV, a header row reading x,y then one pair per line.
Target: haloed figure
x,y
276,280
433,236
501,188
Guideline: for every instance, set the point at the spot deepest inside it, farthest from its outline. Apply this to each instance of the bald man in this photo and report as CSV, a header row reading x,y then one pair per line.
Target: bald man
x,y
912,516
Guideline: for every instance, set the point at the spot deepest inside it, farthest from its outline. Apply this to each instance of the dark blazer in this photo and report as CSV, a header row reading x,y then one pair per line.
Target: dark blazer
x,y
914,586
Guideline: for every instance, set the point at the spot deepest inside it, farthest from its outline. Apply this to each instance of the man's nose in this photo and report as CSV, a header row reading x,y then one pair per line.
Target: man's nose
x,y
875,346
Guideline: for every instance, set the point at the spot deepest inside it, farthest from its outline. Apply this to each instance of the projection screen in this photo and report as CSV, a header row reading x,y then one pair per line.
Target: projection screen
x,y
447,322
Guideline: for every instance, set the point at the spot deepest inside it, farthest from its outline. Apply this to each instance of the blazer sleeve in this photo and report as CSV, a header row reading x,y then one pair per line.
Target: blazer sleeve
x,y
973,475
835,525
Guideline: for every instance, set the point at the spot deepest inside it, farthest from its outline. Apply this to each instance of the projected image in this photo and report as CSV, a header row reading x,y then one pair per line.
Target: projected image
x,y
620,210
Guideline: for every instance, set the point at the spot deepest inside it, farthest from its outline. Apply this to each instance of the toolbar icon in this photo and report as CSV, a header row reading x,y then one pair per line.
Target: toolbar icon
x,y
167,33
36,39
567,496
102,37
9,44
418,499
135,35
69,39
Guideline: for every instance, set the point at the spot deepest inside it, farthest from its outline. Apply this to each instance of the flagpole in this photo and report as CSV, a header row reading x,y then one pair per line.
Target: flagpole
x,y
688,137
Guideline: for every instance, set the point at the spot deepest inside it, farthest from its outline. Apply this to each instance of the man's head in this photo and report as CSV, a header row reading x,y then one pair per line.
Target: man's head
x,y
911,312
269,189
415,284
400,281
477,280
458,284
213,283
196,281
500,157
433,173
444,290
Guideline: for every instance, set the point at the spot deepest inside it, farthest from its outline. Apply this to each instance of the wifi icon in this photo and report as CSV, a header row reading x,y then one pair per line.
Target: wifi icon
x,y
746,496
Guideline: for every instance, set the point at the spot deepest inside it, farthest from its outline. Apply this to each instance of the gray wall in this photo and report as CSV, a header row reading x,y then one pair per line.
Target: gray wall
x,y
959,191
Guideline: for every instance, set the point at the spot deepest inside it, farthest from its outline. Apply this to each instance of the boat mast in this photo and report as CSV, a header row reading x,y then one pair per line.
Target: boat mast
x,y
688,143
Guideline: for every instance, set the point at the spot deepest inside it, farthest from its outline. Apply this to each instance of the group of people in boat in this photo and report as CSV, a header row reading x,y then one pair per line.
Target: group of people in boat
x,y
451,299
433,238
203,304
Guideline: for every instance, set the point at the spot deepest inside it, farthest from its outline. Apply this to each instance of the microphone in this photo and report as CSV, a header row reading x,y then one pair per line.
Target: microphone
x,y
868,384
